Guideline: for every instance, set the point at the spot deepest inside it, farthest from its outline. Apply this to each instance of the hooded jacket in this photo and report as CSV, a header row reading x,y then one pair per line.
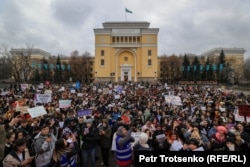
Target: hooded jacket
x,y
43,149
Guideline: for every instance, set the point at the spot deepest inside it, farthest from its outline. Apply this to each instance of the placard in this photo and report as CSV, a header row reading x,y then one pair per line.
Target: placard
x,y
139,92
105,90
42,98
64,103
37,111
244,110
81,113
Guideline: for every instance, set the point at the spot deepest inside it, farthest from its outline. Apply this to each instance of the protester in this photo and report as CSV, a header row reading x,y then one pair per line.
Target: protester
x,y
44,146
19,156
90,138
123,147
63,155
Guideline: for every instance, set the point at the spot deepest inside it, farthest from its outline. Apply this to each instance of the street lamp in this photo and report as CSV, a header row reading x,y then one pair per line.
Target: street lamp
x,y
96,75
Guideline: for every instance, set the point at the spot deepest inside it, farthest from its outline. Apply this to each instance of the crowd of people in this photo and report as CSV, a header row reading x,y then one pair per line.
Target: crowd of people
x,y
124,118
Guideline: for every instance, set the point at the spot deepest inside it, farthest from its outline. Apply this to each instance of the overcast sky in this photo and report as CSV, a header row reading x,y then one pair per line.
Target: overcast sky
x,y
186,26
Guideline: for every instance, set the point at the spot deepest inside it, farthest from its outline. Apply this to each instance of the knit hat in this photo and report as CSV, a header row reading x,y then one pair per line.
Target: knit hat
x,y
143,139
66,131
89,121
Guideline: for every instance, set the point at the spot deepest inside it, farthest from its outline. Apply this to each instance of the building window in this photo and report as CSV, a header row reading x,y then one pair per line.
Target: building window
x,y
102,62
102,52
138,39
149,62
149,52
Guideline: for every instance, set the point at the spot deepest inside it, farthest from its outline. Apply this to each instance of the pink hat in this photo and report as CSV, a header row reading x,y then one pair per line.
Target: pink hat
x,y
222,128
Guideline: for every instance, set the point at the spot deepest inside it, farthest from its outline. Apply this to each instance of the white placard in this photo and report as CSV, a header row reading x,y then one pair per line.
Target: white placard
x,y
203,108
24,87
248,119
72,91
117,96
37,111
42,98
64,103
79,94
48,91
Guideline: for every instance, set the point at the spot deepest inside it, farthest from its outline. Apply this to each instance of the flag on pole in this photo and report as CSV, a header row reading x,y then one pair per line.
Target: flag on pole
x,y
128,11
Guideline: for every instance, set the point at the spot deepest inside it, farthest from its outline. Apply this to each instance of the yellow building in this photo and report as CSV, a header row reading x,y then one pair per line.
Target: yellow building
x,y
126,51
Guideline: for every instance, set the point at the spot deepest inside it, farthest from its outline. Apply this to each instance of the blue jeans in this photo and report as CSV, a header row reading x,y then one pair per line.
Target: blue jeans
x,y
89,155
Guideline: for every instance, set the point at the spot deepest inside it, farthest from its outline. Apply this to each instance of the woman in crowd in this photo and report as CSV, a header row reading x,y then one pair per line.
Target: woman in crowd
x,y
63,155
19,156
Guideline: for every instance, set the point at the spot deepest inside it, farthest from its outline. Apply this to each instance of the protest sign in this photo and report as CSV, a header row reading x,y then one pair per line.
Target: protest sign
x,y
64,103
42,98
86,112
244,110
37,111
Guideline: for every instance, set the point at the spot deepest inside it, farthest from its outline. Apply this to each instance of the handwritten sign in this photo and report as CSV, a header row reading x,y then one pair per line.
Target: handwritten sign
x,y
37,111
43,98
64,103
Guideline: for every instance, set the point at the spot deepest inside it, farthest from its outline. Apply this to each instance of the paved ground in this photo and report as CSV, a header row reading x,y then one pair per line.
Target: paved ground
x,y
99,160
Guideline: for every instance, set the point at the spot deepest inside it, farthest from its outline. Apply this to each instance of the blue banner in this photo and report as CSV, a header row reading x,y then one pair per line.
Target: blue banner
x,y
63,67
57,66
78,85
221,66
46,66
82,113
214,67
68,67
207,67
51,66
33,65
188,68
201,67
195,67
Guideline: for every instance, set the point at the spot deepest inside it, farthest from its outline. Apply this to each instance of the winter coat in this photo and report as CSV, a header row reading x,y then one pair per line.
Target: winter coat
x,y
43,149
12,160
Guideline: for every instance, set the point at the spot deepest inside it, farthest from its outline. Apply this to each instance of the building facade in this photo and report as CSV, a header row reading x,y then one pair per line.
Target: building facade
x,y
126,51
233,56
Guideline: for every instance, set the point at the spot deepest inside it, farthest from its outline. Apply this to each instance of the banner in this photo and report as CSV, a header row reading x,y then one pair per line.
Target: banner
x,y
244,110
42,98
139,92
24,87
82,113
174,100
37,111
64,103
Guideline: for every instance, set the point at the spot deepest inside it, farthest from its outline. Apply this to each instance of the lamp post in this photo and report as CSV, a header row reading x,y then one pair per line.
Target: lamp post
x,y
96,75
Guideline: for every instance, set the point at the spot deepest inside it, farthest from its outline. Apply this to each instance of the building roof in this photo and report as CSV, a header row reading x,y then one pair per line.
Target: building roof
x,y
227,51
31,51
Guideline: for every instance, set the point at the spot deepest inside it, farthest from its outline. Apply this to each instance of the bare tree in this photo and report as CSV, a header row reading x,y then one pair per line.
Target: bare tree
x,y
21,68
80,66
